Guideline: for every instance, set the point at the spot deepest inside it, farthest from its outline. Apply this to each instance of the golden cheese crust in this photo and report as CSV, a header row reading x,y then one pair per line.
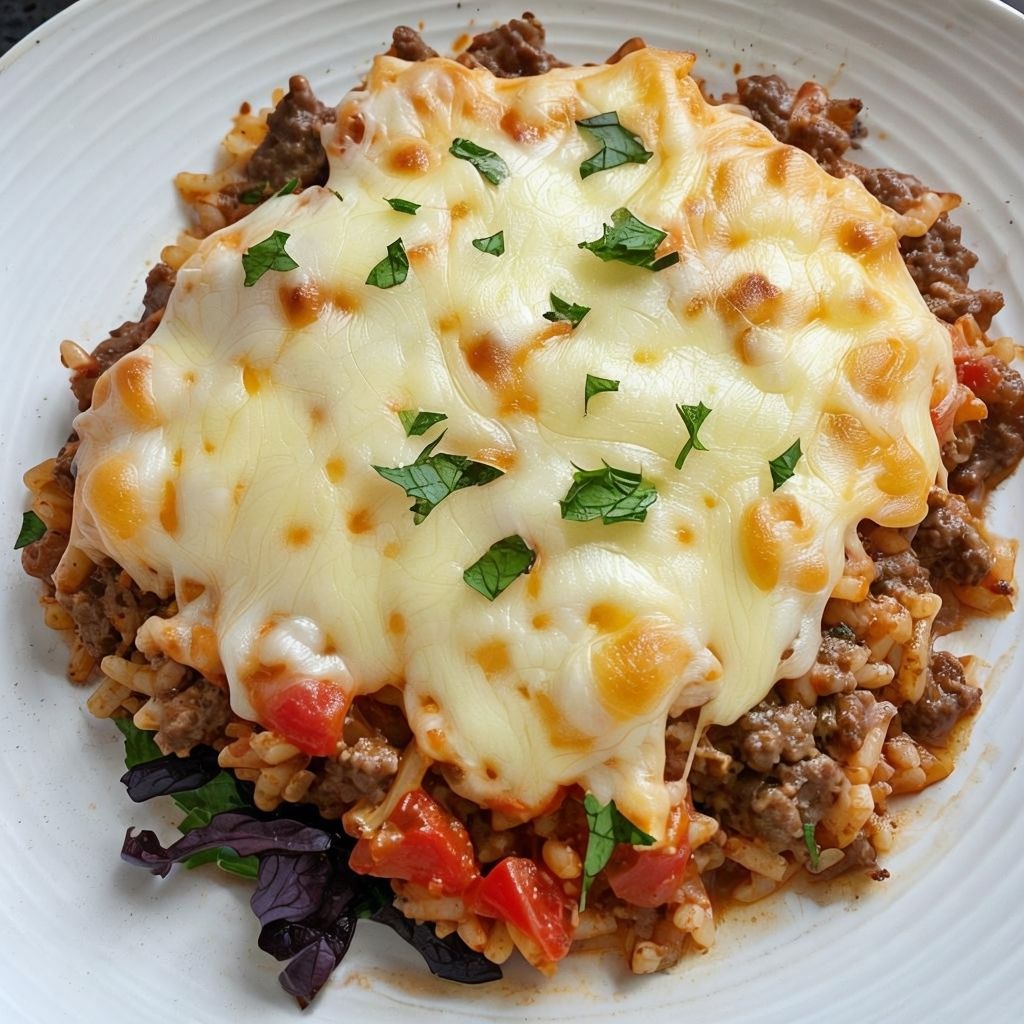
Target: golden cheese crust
x,y
230,460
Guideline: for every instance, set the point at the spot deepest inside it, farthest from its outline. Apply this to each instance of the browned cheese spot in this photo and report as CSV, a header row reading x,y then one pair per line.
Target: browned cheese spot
x,y
335,469
360,520
608,617
301,303
410,157
169,508
396,624
492,657
495,366
541,621
461,210
754,298
298,535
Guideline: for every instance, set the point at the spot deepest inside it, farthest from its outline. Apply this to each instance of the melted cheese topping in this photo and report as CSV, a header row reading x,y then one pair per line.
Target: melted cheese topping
x,y
229,460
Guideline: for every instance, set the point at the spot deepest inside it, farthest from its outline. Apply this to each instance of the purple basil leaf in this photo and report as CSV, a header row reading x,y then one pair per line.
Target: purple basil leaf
x,y
244,834
308,971
449,958
285,939
171,774
289,888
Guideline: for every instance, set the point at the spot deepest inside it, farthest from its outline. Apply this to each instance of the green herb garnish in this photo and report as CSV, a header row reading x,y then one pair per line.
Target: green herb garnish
x,y
841,631
493,245
611,495
607,828
784,466
254,195
391,270
32,528
631,241
431,478
403,206
266,255
618,144
288,187
486,161
812,846
503,563
568,311
596,386
338,195
416,422
693,416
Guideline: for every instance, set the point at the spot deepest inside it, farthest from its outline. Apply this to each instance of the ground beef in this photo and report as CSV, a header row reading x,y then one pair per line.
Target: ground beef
x,y
408,44
515,50
897,574
947,698
362,771
985,451
63,472
940,265
159,283
833,669
948,543
843,722
124,339
108,610
891,188
292,147
859,854
40,559
774,810
770,733
769,100
191,716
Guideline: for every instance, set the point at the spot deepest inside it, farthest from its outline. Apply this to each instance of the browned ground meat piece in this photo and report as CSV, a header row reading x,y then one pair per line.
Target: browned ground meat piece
x,y
770,733
891,188
986,450
124,339
191,716
948,543
897,574
838,658
515,50
769,100
947,698
362,771
292,147
940,265
62,471
775,811
844,721
159,283
108,610
408,44
859,854
41,558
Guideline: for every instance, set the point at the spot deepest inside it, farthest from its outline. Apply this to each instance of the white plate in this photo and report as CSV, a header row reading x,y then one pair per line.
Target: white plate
x,y
99,109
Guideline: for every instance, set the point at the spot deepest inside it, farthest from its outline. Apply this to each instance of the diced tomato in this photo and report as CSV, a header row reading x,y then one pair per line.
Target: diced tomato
x,y
650,878
528,899
422,843
978,374
310,713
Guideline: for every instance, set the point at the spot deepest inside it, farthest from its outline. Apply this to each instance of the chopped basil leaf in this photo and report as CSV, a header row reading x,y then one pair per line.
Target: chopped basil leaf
x,y
618,144
493,245
595,386
607,827
391,270
431,478
254,195
841,631
562,310
812,846
503,563
288,187
403,206
486,161
693,416
32,528
784,465
340,197
611,495
417,422
266,255
631,241
139,746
